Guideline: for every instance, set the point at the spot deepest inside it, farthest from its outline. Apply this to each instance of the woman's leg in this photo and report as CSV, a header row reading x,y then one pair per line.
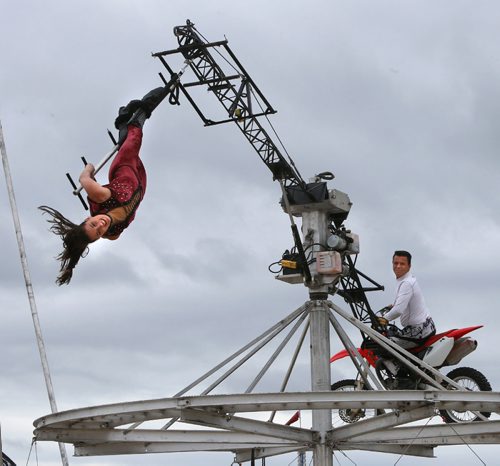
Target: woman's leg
x,y
129,151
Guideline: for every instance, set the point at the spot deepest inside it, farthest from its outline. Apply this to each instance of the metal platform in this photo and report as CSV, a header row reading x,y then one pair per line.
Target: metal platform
x,y
245,425
103,430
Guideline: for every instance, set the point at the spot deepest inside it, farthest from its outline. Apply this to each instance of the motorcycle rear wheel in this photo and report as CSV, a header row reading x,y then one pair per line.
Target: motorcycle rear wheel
x,y
347,415
471,379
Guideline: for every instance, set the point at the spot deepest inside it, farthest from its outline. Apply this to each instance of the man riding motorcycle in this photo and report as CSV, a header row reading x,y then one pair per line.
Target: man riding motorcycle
x,y
409,306
418,336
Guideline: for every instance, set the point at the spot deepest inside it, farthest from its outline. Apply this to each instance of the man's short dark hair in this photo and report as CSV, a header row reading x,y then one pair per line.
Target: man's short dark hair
x,y
403,254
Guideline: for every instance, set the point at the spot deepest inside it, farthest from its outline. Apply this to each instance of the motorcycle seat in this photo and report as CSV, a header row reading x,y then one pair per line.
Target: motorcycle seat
x,y
428,342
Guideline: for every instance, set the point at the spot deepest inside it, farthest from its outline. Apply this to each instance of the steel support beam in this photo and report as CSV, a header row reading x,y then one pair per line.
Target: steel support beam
x,y
243,456
235,423
361,365
411,450
277,352
143,447
454,434
378,423
100,436
255,402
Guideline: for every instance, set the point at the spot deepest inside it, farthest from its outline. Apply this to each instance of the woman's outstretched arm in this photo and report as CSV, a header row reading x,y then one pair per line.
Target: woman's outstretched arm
x,y
94,190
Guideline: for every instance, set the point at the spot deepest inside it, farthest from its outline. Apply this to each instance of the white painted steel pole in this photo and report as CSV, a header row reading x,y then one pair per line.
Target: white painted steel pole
x,y
320,379
29,287
315,226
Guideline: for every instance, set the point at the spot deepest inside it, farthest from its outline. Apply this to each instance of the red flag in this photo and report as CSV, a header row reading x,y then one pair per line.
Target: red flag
x,y
294,418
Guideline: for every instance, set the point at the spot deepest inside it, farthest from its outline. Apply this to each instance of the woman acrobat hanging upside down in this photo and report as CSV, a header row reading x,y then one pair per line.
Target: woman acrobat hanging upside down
x,y
113,205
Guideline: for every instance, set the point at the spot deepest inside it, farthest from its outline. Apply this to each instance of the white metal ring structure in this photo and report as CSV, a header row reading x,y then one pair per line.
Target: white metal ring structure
x,y
103,430
234,423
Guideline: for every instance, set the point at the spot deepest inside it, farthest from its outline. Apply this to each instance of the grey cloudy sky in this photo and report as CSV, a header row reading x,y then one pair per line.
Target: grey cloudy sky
x,y
399,99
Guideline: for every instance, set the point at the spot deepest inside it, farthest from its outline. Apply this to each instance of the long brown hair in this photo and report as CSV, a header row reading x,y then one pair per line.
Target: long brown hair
x,y
75,242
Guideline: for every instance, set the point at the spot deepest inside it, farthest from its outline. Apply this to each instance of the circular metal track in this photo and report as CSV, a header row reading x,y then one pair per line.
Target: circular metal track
x,y
106,430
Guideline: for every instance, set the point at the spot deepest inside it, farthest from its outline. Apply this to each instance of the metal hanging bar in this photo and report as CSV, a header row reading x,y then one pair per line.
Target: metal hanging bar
x,y
29,287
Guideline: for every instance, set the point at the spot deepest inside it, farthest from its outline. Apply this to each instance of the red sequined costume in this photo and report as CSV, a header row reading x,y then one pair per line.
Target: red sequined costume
x,y
127,183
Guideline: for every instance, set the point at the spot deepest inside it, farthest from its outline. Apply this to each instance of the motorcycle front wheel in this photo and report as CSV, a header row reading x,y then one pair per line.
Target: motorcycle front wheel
x,y
349,415
471,380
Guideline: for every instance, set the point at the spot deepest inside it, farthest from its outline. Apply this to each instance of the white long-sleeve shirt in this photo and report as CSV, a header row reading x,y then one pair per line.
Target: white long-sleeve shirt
x,y
409,304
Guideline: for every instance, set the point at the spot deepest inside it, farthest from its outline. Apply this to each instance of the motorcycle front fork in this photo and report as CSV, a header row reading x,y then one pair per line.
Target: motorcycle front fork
x,y
360,379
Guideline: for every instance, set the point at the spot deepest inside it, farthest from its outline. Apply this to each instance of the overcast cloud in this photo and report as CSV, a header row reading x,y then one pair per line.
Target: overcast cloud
x,y
399,99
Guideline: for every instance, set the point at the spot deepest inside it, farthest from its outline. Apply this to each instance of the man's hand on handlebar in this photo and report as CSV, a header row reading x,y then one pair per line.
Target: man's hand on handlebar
x,y
383,321
385,309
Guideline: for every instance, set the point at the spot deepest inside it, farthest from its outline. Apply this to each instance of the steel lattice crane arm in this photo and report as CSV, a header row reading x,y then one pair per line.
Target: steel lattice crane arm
x,y
244,104
238,94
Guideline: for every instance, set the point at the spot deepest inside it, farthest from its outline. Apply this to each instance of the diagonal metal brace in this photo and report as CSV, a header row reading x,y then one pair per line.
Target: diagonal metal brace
x,y
235,423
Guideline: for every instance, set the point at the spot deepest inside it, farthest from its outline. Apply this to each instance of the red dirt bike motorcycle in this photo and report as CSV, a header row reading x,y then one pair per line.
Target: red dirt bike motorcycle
x,y
440,350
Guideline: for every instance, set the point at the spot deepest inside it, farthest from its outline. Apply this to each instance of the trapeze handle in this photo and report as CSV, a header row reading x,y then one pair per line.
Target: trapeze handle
x,y
99,166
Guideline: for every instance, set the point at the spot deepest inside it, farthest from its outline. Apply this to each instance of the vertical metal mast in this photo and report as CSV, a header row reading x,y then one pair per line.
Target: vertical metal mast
x,y
320,379
29,287
315,224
